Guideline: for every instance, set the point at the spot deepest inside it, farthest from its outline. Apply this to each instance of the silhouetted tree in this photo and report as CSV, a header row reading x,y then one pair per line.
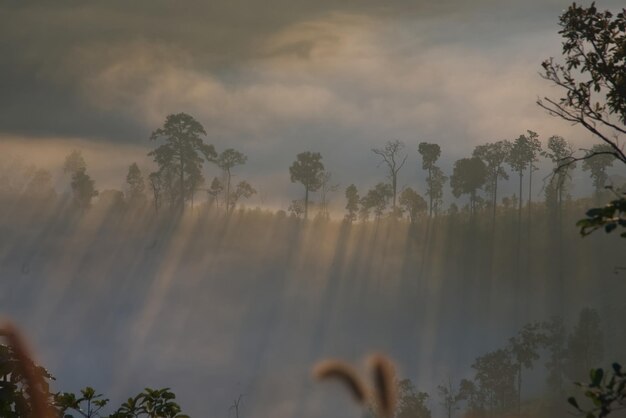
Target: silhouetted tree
x,y
296,208
227,160
411,403
74,162
215,189
157,186
82,189
307,170
593,81
352,203
495,376
593,78
377,199
449,397
559,151
468,176
600,158
183,153
585,347
534,149
435,180
412,203
524,348
557,353
243,190
326,187
494,156
473,397
135,194
392,155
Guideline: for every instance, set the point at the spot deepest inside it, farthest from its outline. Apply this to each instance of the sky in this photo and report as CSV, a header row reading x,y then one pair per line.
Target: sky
x,y
273,79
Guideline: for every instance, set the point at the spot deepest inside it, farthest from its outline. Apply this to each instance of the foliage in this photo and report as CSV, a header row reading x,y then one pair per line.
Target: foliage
x,y
412,203
296,208
596,161
74,162
182,153
494,156
391,155
307,170
593,82
242,190
352,203
608,217
468,176
411,403
227,160
136,185
495,379
606,391
83,189
559,151
215,190
377,199
14,395
87,405
585,347
436,179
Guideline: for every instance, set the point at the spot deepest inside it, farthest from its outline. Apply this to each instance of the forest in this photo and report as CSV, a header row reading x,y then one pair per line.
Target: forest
x,y
492,287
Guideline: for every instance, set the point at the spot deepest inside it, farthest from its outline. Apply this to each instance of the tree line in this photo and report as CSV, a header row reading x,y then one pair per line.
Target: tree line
x,y
179,178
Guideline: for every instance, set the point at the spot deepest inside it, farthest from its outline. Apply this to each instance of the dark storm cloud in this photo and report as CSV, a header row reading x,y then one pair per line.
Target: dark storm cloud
x,y
39,78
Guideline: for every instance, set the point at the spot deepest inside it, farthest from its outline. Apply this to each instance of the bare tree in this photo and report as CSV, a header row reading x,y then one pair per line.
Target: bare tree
x,y
392,156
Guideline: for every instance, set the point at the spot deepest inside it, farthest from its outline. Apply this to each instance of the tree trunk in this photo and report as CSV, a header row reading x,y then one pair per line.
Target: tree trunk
x,y
227,191
394,181
306,202
430,193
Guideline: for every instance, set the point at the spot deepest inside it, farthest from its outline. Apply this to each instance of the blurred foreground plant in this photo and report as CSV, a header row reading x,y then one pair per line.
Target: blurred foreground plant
x,y
25,392
607,392
381,398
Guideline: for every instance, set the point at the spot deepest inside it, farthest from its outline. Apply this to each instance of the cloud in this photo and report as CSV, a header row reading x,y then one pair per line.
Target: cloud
x,y
339,79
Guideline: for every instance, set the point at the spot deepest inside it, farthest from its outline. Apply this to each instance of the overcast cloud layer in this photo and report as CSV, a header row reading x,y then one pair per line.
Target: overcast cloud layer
x,y
276,78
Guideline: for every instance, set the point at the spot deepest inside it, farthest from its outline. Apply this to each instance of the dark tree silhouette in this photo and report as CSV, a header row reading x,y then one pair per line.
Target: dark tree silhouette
x,y
585,348
352,203
242,190
412,203
136,189
215,190
184,152
377,199
449,396
524,348
435,180
326,188
392,157
593,84
411,403
82,189
74,162
600,159
555,343
307,170
227,160
468,176
494,156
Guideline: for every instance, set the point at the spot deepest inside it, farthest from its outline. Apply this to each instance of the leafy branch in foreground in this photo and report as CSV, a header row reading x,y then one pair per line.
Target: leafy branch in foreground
x,y
593,84
606,392
608,217
24,391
